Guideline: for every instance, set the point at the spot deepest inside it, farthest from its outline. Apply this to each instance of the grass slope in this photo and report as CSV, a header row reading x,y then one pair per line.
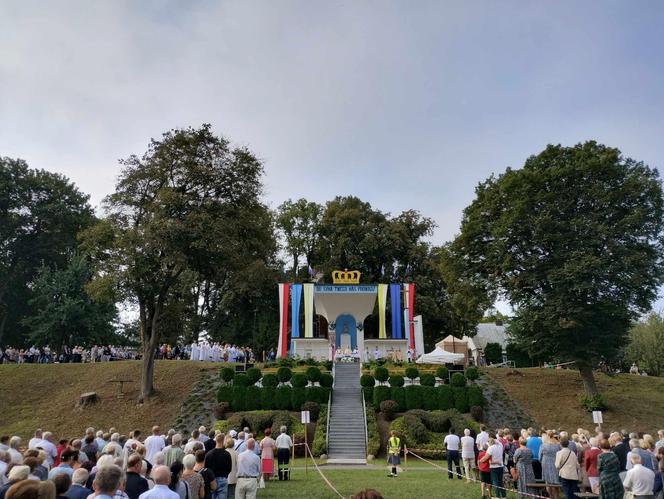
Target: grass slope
x,y
551,397
44,396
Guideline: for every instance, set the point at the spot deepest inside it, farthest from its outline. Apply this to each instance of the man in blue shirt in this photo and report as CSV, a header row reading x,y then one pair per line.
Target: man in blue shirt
x,y
107,482
533,442
248,471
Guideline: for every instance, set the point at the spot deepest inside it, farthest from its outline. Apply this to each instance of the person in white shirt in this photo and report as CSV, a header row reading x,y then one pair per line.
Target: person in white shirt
x,y
189,447
452,443
133,440
202,434
49,448
468,455
640,481
494,455
482,437
153,444
284,444
14,452
162,477
34,441
4,464
660,442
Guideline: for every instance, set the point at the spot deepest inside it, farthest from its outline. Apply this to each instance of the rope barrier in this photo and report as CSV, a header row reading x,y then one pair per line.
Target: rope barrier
x,y
329,484
519,494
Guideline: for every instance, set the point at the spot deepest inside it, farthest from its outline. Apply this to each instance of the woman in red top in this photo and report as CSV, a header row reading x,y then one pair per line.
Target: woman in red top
x,y
485,471
62,445
590,464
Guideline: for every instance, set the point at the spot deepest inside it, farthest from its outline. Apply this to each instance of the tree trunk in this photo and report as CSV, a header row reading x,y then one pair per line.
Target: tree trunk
x,y
2,325
296,262
588,379
150,336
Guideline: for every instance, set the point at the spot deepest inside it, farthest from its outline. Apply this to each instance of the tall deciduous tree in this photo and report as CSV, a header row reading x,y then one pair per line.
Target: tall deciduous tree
x,y
646,344
41,214
299,223
190,206
574,240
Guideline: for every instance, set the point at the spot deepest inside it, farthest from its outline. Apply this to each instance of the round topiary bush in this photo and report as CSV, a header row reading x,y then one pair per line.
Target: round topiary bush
x,y
389,409
254,374
326,380
427,379
445,397
227,374
412,373
443,373
313,408
380,393
284,374
367,380
460,399
270,380
313,374
458,380
241,380
472,373
396,380
299,380
398,394
381,374
475,396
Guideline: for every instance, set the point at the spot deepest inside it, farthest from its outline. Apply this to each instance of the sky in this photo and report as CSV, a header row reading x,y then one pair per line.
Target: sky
x,y
408,104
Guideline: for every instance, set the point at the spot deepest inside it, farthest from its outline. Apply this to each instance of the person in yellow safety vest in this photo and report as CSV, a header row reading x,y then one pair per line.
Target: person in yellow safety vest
x,y
393,452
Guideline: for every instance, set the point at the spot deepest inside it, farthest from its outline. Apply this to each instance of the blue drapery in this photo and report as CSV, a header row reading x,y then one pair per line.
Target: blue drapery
x,y
296,298
395,299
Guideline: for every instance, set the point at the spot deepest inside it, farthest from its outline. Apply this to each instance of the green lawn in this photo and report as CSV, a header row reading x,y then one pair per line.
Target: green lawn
x,y
418,482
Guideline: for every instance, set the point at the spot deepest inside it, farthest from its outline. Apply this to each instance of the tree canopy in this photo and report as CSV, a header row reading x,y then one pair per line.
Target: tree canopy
x,y
574,241
645,345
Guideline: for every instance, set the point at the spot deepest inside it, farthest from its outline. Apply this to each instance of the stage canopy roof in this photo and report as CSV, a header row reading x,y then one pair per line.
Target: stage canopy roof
x,y
440,356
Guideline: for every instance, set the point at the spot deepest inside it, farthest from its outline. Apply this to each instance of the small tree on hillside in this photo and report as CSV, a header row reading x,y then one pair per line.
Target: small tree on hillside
x,y
493,353
646,344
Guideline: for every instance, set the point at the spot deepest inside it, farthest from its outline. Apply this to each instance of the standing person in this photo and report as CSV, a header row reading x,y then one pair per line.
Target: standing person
x,y
193,479
590,464
393,452
482,438
229,443
284,444
547,456
154,443
523,461
248,471
452,443
639,480
468,455
207,474
162,477
78,490
610,486
568,469
135,484
485,470
534,442
107,482
494,456
267,454
219,461
174,452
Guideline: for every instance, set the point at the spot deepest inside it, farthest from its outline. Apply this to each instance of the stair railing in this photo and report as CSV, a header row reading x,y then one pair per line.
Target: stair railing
x,y
364,414
327,427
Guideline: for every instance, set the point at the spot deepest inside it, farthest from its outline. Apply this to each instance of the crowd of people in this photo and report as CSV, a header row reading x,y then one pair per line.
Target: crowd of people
x,y
202,351
208,465
611,465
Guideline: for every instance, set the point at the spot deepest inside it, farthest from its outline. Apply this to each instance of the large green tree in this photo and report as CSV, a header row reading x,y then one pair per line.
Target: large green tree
x,y
41,214
63,311
574,240
187,211
646,344
299,224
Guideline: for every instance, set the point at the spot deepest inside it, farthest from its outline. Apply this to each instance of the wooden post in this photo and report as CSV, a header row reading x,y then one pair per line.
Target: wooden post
x,y
405,458
306,450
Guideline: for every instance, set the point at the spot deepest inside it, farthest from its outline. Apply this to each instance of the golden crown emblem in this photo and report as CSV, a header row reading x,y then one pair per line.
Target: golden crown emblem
x,y
346,276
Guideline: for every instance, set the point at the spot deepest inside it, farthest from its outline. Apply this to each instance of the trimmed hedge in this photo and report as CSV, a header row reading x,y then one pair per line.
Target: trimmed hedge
x,y
472,373
253,374
227,374
313,374
399,396
326,380
380,393
252,398
225,394
429,398
367,380
373,434
367,391
282,398
314,410
475,396
299,380
396,380
458,380
319,445
237,403
412,372
427,379
317,394
268,399
443,373
381,374
445,397
284,374
298,397
460,399
270,380
241,380
413,397
389,408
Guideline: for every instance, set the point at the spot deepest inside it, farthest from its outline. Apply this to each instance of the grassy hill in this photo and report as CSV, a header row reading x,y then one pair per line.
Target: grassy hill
x,y
45,395
551,398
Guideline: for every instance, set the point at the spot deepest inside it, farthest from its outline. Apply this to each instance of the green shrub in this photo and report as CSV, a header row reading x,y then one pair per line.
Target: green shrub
x,y
413,397
282,398
298,380
594,403
283,418
253,374
396,380
313,408
412,373
270,380
284,374
475,396
252,398
429,398
443,373
458,380
298,397
427,379
367,391
237,404
257,421
222,426
225,394
326,380
317,394
460,399
380,393
398,394
227,374
493,353
438,421
313,374
389,409
367,380
286,362
381,374
417,432
319,445
241,380
472,373
373,434
267,398
327,364
445,397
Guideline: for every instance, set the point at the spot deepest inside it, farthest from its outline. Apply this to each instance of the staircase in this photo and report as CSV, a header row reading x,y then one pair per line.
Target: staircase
x,y
346,433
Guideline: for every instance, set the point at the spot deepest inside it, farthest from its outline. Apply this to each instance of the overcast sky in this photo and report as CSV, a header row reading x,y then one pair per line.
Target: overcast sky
x,y
406,104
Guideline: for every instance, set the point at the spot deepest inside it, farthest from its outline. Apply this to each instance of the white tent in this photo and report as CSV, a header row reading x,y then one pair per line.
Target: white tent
x,y
440,356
